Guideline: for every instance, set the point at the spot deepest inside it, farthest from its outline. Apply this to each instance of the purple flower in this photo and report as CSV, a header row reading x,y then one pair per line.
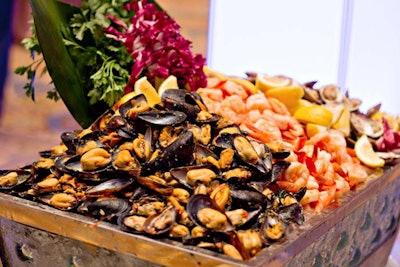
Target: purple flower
x,y
157,47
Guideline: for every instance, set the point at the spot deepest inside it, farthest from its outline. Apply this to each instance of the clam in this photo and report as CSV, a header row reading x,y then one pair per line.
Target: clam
x,y
361,124
331,94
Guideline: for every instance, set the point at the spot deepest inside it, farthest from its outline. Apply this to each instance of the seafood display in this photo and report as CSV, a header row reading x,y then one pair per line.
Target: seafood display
x,y
169,170
319,127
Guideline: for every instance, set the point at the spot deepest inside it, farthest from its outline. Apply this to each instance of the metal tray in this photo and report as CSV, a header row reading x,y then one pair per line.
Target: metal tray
x,y
359,231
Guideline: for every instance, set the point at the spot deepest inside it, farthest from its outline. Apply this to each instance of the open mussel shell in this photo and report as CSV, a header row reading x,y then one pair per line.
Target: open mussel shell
x,y
244,195
157,185
162,118
12,179
273,229
104,208
132,223
59,200
204,212
124,161
361,124
73,165
131,107
186,175
109,187
162,222
178,153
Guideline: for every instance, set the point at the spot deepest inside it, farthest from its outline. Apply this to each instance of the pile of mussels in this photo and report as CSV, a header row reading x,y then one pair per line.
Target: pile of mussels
x,y
173,170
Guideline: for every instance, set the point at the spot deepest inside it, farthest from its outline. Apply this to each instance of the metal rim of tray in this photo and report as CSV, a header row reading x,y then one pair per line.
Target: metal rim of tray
x,y
108,236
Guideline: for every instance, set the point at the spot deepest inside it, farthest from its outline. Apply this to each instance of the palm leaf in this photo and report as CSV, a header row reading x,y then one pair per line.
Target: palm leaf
x,y
51,23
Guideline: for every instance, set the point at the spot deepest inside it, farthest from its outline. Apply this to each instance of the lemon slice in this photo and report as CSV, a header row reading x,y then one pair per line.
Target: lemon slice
x,y
143,86
343,122
288,95
265,82
247,85
366,154
171,82
314,114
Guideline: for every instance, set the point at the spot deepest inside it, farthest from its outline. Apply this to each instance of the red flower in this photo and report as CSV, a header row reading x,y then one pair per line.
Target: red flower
x,y
157,47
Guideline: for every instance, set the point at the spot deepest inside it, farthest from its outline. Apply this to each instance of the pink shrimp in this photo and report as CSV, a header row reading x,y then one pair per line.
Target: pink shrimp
x,y
294,177
232,88
277,106
211,93
235,103
257,102
262,130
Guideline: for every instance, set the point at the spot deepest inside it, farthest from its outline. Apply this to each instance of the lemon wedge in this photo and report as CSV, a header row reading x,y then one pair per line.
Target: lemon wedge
x,y
343,122
313,129
143,86
171,82
314,114
366,154
288,95
266,82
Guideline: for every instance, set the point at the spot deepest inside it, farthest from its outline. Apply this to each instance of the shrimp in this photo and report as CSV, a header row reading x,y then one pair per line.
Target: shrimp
x,y
257,102
356,173
325,172
282,121
295,171
331,140
277,106
253,115
213,94
232,88
294,177
235,103
262,130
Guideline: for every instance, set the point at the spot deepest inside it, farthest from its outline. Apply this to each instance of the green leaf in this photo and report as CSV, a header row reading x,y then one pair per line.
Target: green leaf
x,y
51,24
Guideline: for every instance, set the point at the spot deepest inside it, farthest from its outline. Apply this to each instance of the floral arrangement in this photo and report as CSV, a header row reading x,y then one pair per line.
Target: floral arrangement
x,y
104,47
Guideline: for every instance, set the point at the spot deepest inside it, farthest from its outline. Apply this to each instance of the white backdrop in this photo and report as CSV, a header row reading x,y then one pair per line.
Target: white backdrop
x,y
353,43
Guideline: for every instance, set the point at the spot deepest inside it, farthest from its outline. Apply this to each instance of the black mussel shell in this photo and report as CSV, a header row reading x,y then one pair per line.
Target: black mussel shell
x,y
132,168
199,202
291,213
104,208
109,187
273,229
102,121
161,222
281,154
154,185
136,104
59,200
244,195
12,179
277,169
132,223
178,153
162,118
70,140
190,110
